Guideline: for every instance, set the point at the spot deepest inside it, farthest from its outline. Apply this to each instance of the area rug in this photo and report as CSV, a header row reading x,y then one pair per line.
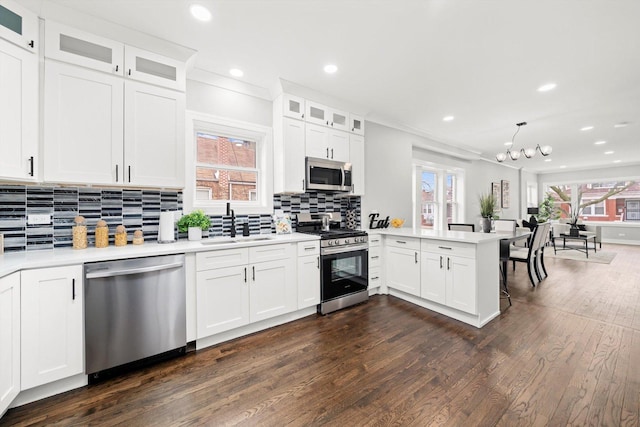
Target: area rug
x,y
600,257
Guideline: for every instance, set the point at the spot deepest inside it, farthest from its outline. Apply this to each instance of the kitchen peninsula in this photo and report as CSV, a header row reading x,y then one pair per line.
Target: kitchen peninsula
x,y
455,273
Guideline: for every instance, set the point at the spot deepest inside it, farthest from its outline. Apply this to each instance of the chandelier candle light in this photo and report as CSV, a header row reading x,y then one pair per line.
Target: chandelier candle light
x,y
545,150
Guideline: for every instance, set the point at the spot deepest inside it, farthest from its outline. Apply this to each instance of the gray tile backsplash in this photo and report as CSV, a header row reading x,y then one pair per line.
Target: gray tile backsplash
x,y
135,209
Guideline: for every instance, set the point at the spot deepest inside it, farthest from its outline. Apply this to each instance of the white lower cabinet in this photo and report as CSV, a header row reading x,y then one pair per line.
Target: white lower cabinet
x,y
222,300
308,274
449,279
9,340
402,258
235,287
52,324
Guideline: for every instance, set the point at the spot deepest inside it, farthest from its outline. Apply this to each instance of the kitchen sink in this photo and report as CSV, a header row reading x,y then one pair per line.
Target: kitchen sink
x,y
214,241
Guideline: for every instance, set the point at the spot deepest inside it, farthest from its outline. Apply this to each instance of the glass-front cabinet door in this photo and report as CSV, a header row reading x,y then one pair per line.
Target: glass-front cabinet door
x,y
18,25
357,124
293,106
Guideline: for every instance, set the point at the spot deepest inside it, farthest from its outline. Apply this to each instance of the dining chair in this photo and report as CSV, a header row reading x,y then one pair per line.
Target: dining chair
x,y
504,225
530,255
462,227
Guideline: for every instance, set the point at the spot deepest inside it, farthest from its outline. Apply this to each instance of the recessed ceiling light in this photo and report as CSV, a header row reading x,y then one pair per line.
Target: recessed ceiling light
x,y
608,152
236,72
200,12
547,87
447,118
621,125
617,161
586,128
548,160
563,167
600,142
508,143
330,68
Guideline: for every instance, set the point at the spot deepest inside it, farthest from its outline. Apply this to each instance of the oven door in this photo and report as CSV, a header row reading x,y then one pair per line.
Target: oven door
x,y
344,271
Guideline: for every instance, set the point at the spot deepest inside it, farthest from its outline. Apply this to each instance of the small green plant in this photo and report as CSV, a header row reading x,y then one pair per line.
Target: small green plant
x,y
488,204
194,219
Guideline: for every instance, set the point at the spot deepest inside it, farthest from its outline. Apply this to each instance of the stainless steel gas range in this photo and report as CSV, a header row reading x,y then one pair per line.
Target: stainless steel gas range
x,y
344,278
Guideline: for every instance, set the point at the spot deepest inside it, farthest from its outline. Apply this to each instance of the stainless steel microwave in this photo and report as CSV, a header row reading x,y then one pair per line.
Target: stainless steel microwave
x,y
328,175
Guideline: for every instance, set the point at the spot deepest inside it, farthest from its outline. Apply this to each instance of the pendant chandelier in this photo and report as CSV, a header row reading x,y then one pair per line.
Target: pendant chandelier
x,y
545,150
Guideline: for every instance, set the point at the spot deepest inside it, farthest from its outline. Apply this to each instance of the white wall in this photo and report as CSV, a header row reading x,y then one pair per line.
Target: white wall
x,y
388,158
210,99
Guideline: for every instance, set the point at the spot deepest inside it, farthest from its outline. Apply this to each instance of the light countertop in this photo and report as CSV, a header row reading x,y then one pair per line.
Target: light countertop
x,y
15,261
450,236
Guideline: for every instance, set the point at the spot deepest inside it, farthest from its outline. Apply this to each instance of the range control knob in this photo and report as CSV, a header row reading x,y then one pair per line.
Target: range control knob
x,y
346,241
336,242
330,243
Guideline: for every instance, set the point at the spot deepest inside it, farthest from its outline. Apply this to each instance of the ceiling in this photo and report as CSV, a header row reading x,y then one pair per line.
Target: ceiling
x,y
409,63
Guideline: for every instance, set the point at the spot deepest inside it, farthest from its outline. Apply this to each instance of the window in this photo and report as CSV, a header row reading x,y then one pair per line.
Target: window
x,y
226,167
227,161
595,209
438,196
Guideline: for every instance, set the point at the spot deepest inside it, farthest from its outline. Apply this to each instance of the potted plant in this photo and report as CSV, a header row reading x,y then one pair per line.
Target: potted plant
x,y
488,204
194,223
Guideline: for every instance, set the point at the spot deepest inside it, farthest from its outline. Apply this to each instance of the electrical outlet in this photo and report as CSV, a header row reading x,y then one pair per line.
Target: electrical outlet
x,y
38,219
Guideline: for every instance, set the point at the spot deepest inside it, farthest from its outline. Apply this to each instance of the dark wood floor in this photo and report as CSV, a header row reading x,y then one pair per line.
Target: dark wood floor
x,y
566,353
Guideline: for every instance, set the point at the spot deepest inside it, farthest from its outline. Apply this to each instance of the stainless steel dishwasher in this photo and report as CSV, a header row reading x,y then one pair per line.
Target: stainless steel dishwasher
x,y
134,309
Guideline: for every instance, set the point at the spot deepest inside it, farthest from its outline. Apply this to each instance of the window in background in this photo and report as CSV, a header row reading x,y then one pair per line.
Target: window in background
x,y
439,196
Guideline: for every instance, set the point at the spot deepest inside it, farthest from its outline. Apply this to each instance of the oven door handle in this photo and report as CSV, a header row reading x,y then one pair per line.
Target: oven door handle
x,y
343,249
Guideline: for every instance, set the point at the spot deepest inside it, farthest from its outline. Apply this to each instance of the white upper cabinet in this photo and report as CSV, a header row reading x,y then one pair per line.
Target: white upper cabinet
x,y
356,157
18,113
83,125
152,68
18,25
289,153
68,44
101,126
356,124
293,106
152,155
326,116
316,113
338,119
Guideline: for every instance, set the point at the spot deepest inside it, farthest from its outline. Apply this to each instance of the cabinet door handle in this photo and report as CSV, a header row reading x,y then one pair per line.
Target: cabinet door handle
x,y
129,173
31,44
353,129
318,263
416,256
327,152
117,68
327,122
302,116
440,262
73,289
116,173
129,71
253,268
332,153
448,263
245,275
31,166
303,185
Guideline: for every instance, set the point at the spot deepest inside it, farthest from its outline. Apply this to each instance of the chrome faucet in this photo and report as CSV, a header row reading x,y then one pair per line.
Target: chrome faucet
x,y
231,213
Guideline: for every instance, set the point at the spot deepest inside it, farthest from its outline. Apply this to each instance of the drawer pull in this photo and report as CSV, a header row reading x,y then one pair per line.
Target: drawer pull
x,y
444,247
402,242
375,278
375,257
309,248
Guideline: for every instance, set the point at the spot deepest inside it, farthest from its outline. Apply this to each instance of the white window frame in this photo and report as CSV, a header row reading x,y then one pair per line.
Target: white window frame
x,y
440,193
592,208
215,125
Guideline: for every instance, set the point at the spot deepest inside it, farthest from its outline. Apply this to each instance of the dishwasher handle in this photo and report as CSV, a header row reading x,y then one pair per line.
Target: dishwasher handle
x,y
112,273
